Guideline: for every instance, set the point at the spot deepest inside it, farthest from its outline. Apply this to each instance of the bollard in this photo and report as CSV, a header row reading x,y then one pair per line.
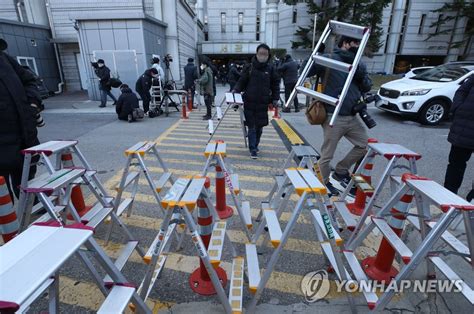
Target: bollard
x,y
199,280
357,208
184,115
8,221
380,267
77,198
190,101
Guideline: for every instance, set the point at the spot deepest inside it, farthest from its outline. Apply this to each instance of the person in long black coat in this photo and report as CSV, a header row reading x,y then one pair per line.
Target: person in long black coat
x,y
19,103
461,135
143,85
288,70
190,75
126,103
260,86
103,73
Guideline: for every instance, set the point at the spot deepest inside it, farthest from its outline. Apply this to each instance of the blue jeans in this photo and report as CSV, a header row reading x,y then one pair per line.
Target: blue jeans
x,y
103,96
254,135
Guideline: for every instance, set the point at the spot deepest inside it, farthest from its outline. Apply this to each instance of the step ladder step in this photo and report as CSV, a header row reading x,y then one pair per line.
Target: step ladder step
x,y
304,151
50,147
131,176
40,206
117,300
363,185
216,243
140,148
316,214
247,215
346,29
253,267
332,64
101,215
327,249
389,150
346,215
92,212
149,253
236,285
451,275
50,182
45,217
124,205
273,225
123,257
317,95
353,262
393,239
234,179
447,236
88,174
160,183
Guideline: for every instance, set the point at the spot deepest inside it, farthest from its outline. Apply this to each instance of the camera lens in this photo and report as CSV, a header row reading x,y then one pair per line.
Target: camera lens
x,y
369,122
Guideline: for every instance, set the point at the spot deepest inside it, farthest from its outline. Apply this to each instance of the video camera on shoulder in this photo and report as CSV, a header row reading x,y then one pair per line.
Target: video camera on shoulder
x,y
95,65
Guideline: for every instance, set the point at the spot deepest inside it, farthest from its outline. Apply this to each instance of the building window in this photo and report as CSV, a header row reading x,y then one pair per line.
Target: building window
x,y
223,22
438,24
257,33
422,24
28,62
295,15
241,22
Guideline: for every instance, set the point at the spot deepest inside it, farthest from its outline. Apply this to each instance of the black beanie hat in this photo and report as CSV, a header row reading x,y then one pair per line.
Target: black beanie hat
x,y
101,61
265,46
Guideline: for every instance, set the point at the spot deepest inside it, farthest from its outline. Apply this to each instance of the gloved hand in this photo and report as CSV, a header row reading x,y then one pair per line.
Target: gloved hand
x,y
275,103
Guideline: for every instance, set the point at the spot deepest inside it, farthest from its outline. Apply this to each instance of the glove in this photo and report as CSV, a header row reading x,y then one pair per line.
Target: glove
x,y
275,103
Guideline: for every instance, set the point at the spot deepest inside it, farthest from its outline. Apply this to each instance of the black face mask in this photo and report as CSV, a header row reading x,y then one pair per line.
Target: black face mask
x,y
354,50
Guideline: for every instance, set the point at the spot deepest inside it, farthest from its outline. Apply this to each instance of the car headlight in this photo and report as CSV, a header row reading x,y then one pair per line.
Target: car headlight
x,y
416,92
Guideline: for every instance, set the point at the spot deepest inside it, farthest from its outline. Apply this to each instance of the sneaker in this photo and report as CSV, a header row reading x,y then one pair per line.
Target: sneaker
x,y
343,179
286,110
332,191
101,106
297,110
253,154
146,114
206,117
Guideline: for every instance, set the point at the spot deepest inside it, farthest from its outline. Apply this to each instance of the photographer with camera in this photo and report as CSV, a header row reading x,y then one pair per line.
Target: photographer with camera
x,y
20,106
206,87
143,85
348,125
103,73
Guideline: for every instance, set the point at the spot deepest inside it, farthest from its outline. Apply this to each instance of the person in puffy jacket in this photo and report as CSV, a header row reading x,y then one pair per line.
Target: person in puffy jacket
x,y
143,85
461,135
19,111
260,85
233,76
126,103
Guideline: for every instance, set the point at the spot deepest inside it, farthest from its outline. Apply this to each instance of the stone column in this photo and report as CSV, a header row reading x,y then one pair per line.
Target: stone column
x,y
394,35
271,23
170,17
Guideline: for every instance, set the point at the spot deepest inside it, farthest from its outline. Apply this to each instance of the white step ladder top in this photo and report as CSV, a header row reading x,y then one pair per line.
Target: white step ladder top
x,y
40,248
117,300
252,267
193,191
303,180
274,228
393,150
236,285
216,243
173,195
140,148
50,147
346,29
438,194
216,148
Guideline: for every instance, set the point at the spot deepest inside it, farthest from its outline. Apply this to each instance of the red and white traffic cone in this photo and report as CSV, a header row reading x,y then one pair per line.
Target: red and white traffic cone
x,y
8,221
190,101
77,198
184,115
200,281
357,208
380,267
222,209
276,115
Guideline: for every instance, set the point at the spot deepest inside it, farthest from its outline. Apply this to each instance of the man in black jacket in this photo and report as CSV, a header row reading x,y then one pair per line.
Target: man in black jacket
x,y
19,103
233,76
126,103
143,85
288,69
103,73
461,135
260,84
190,75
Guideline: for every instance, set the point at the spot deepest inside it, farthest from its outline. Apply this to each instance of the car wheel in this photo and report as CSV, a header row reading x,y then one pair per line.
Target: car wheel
x,y
433,112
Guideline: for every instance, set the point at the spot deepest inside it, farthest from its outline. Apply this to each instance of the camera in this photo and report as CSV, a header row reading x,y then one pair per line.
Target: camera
x,y
94,65
361,109
168,58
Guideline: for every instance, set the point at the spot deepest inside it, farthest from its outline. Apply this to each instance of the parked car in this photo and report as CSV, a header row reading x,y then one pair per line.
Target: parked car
x,y
415,71
426,96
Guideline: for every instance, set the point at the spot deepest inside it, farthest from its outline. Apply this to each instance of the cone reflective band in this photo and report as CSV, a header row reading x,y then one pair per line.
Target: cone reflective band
x,y
357,208
8,221
77,198
380,267
199,280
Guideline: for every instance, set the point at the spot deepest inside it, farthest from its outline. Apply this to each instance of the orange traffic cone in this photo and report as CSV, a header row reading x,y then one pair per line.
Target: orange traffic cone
x,y
77,198
8,221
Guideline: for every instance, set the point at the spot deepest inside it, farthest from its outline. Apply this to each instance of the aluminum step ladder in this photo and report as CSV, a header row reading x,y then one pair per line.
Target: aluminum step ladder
x,y
312,195
426,193
182,199
215,152
332,28
31,263
394,154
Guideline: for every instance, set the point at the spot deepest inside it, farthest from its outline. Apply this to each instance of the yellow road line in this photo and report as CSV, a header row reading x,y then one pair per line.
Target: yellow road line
x,y
289,132
202,163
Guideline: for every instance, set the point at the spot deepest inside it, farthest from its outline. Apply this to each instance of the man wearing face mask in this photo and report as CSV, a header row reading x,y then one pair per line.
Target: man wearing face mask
x,y
260,85
103,73
143,85
206,82
348,124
